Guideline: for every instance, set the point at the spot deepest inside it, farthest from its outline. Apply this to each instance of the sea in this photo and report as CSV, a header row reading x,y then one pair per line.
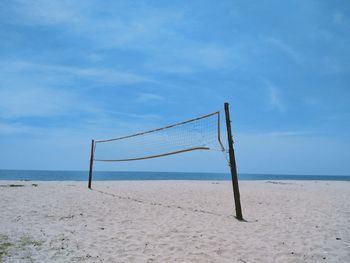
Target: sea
x,y
42,175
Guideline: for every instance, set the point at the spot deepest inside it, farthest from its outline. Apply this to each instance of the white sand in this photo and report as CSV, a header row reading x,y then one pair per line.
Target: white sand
x,y
168,221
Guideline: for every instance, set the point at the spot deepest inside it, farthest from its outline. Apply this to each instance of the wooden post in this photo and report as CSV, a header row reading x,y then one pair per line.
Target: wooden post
x,y
233,165
91,162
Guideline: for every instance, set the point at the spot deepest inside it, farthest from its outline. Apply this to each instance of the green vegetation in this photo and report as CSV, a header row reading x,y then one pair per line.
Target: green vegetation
x,y
28,241
23,245
5,245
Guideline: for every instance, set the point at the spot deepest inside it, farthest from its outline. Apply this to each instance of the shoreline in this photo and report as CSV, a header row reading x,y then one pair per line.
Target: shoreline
x,y
125,175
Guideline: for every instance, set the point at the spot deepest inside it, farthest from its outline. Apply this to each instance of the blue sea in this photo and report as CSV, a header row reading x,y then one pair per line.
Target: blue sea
x,y
41,175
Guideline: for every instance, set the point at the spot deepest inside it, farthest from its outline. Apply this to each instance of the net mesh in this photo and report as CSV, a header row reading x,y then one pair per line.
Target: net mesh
x,y
202,133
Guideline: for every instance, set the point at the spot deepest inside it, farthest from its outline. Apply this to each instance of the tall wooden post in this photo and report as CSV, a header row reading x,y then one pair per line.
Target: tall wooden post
x,y
233,165
91,162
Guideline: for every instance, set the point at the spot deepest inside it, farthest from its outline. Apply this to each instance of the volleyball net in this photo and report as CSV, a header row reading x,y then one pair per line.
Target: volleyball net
x,y
202,133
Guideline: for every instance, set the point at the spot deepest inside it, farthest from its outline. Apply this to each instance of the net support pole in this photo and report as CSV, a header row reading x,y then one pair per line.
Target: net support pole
x,y
91,163
233,167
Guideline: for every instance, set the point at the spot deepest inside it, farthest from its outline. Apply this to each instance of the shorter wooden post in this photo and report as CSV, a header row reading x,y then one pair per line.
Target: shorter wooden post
x,y
91,162
233,165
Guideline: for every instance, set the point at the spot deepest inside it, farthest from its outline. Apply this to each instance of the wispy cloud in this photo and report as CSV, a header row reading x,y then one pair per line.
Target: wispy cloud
x,y
284,134
149,98
44,12
275,101
14,128
101,75
35,102
286,48
123,25
47,91
157,32
215,57
192,57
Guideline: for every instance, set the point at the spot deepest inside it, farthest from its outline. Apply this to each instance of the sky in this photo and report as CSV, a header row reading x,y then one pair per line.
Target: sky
x,y
71,71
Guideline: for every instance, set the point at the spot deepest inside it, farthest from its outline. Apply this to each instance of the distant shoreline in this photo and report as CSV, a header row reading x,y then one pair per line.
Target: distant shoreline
x,y
41,175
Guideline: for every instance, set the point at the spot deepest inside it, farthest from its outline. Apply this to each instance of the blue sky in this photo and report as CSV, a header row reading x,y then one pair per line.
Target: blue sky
x,y
75,70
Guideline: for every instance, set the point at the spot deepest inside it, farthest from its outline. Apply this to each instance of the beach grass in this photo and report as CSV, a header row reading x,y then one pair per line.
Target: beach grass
x,y
20,249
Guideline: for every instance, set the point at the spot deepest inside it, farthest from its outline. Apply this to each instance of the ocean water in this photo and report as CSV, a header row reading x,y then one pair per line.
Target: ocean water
x,y
40,175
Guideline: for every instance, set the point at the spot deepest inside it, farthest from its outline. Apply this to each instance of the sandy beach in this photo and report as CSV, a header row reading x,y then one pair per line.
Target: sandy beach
x,y
174,221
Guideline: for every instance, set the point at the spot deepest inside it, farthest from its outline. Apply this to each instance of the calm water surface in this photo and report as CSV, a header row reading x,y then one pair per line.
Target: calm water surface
x,y
40,175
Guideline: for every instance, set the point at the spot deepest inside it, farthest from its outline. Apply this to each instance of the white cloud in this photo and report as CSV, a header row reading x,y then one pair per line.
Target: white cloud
x,y
13,128
149,97
157,32
43,12
102,75
38,102
283,134
39,90
275,100
116,24
31,90
107,75
286,48
214,57
189,57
